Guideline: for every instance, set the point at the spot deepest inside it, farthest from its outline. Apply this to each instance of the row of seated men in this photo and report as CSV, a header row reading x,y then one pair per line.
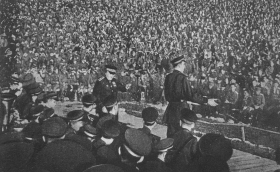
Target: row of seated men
x,y
81,142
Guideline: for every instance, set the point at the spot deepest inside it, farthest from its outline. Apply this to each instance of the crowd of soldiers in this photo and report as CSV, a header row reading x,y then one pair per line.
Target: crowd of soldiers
x,y
231,47
58,49
92,138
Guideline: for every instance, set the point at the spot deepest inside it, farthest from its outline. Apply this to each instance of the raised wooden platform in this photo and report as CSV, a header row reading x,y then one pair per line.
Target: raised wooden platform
x,y
245,162
240,161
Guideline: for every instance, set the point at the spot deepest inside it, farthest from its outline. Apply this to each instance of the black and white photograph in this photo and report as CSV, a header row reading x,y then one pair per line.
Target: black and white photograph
x,y
139,86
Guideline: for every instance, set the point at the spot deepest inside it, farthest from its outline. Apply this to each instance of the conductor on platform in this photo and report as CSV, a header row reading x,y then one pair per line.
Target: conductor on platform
x,y
107,86
179,94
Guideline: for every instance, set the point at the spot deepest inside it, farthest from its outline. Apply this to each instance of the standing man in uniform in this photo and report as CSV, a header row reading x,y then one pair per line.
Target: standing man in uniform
x,y
89,105
178,91
107,86
259,103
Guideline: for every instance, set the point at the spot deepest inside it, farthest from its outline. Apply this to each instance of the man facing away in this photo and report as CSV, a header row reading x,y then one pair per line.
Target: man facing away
x,y
177,92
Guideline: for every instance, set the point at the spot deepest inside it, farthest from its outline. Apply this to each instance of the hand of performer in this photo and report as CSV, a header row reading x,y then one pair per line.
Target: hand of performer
x,y
114,111
104,109
212,102
128,86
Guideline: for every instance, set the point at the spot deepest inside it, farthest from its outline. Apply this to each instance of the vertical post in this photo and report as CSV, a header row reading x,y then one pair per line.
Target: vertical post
x,y
6,116
243,133
1,112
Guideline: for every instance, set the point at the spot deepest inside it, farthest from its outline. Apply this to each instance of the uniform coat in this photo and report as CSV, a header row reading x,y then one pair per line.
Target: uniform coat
x,y
156,166
104,88
177,91
188,154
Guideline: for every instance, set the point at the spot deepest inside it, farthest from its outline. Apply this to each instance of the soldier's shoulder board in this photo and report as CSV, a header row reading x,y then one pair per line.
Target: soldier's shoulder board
x,y
100,79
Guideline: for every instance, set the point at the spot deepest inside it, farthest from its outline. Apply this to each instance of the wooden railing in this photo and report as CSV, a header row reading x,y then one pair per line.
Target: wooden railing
x,y
249,139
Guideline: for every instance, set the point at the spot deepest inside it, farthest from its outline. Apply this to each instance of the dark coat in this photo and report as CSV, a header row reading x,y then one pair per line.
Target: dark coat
x,y
177,90
104,88
63,155
188,154
156,166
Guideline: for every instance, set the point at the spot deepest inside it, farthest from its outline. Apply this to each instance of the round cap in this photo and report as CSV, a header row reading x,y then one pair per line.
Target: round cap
x,y
215,145
28,79
47,113
164,145
150,114
89,99
111,129
111,68
110,101
34,88
54,127
188,115
8,96
75,115
51,95
102,120
138,142
89,130
38,109
32,130
178,60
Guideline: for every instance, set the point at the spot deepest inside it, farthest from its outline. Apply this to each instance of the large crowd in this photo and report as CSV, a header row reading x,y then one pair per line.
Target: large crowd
x,y
64,44
57,50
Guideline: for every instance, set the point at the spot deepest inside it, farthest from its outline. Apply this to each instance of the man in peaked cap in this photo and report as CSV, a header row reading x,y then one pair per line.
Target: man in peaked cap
x,y
231,98
75,119
36,112
215,150
53,129
216,146
158,165
177,92
27,80
16,85
46,114
111,107
34,89
33,134
259,103
26,102
107,86
49,100
185,144
110,131
88,131
89,108
149,115
137,145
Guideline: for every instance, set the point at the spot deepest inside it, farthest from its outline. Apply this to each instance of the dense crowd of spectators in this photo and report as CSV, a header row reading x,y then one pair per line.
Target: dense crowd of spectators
x,y
228,44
